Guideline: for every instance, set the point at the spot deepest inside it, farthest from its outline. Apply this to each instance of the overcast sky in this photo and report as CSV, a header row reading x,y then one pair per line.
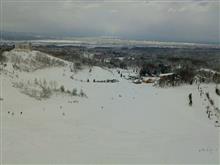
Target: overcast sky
x,y
162,20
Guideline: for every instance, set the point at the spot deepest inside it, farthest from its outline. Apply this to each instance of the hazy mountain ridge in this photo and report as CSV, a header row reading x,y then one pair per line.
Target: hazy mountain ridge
x,y
103,41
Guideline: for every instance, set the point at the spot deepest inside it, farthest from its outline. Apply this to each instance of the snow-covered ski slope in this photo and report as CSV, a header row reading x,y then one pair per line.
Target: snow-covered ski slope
x,y
119,122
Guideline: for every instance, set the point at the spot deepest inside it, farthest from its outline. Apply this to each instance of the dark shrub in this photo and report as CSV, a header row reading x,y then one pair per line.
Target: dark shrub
x,y
82,94
74,92
217,91
62,89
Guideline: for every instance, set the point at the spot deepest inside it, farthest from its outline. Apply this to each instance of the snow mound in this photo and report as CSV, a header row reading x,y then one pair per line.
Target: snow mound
x,y
32,60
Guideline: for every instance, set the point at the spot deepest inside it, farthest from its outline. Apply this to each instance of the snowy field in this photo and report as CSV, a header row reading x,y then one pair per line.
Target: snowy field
x,y
119,122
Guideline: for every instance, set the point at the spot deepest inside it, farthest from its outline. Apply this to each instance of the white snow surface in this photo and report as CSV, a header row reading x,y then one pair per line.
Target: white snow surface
x,y
118,123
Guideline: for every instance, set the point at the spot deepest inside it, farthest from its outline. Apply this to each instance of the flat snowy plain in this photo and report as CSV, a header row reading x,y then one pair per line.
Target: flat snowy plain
x,y
118,122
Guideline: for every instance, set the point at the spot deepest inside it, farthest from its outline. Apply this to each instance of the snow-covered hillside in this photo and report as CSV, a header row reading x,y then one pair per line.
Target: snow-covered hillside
x,y
117,122
32,60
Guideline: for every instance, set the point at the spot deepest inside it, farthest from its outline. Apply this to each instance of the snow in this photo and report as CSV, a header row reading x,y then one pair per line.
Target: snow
x,y
118,122
208,70
166,74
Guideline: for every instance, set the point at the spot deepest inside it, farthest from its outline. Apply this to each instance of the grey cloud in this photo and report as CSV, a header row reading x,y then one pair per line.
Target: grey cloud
x,y
192,21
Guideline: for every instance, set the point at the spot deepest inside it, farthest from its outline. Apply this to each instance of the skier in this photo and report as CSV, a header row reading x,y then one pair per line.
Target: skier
x,y
190,99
